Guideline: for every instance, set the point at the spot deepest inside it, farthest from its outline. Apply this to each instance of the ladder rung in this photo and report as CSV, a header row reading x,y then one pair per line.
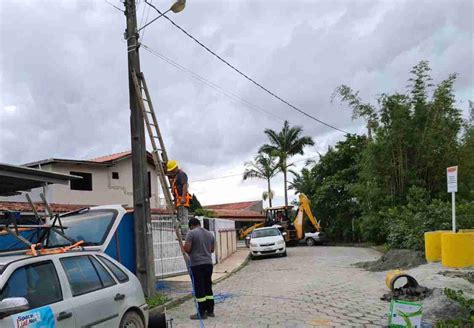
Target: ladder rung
x,y
148,112
145,100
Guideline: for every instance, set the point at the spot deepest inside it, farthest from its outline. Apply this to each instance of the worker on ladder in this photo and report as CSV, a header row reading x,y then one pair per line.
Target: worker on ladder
x,y
179,187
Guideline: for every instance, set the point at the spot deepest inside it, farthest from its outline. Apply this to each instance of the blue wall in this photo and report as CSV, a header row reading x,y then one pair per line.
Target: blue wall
x,y
125,234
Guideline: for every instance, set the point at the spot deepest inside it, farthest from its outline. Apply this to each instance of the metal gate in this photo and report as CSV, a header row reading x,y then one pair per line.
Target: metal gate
x,y
166,252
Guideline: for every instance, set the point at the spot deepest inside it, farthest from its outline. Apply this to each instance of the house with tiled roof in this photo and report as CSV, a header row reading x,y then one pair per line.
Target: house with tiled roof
x,y
105,180
243,214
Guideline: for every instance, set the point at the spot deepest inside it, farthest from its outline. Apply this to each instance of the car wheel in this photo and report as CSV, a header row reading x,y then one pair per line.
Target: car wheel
x,y
132,320
283,254
252,257
310,242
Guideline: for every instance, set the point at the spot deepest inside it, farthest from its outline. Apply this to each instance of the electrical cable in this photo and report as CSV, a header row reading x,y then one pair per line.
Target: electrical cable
x,y
238,174
209,83
111,4
146,20
245,75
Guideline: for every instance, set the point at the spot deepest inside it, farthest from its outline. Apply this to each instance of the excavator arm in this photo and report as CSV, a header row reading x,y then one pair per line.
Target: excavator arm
x,y
244,232
304,208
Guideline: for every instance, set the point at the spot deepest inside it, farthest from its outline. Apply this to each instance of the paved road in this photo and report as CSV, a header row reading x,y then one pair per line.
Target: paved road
x,y
312,287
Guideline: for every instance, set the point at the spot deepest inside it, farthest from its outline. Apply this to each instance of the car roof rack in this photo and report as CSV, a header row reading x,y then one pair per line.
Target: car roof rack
x,y
13,228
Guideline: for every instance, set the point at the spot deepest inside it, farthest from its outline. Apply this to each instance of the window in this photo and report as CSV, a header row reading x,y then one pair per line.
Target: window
x,y
91,226
84,275
104,275
265,233
37,282
115,175
149,185
118,273
81,184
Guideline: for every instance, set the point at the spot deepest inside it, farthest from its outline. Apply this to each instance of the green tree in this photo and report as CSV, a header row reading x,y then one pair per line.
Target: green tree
x,y
416,135
302,182
333,179
285,144
263,167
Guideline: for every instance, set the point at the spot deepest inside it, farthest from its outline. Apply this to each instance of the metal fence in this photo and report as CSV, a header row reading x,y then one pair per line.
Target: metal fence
x,y
167,254
168,259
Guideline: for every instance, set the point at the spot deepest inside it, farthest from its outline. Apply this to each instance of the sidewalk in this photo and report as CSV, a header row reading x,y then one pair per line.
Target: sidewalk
x,y
221,270
178,289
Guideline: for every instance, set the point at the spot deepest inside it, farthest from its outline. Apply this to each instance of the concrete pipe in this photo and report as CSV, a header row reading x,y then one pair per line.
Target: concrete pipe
x,y
393,276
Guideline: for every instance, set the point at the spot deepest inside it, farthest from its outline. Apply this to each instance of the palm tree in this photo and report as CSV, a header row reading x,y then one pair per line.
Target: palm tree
x,y
263,167
302,182
284,144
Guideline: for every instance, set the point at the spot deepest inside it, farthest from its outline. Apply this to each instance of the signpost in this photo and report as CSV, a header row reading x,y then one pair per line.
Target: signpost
x,y
452,175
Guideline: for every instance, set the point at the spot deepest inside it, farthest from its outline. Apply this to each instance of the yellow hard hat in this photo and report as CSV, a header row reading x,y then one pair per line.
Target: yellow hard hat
x,y
171,165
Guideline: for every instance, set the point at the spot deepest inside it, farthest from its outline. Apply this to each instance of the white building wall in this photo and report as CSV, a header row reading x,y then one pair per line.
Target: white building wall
x,y
105,190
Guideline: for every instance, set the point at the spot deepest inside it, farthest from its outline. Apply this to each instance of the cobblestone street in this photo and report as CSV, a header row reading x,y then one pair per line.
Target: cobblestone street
x,y
312,287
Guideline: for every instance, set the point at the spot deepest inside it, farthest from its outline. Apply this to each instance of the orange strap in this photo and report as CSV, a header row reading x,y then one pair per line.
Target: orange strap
x,y
33,251
177,197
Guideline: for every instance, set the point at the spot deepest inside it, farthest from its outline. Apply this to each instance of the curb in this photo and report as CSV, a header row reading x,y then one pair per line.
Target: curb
x,y
244,263
177,301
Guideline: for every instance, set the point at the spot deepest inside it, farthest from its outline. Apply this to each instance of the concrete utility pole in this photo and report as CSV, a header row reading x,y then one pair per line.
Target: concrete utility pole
x,y
141,203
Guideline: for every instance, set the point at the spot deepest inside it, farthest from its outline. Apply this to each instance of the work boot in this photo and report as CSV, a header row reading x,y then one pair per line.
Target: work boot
x,y
211,314
198,317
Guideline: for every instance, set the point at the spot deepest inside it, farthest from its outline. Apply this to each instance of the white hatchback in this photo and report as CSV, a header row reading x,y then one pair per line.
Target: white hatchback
x,y
74,289
267,241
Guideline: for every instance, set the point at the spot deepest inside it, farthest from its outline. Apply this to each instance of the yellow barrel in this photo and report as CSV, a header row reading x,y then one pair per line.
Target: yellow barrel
x,y
433,246
457,249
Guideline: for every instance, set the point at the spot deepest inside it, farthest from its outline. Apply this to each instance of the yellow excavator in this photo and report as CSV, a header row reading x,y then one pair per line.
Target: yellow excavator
x,y
244,232
298,222
280,216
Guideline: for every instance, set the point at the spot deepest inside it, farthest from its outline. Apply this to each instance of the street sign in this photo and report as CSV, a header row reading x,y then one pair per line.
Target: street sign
x,y
452,179
452,175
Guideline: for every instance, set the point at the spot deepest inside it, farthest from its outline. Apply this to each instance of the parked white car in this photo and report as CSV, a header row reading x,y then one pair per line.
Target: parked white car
x,y
313,238
267,241
73,289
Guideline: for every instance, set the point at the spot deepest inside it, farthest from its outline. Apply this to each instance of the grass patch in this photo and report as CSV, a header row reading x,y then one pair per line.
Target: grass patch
x,y
156,300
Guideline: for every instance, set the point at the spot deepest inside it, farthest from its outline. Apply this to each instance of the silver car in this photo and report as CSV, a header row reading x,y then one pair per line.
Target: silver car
x,y
313,238
73,289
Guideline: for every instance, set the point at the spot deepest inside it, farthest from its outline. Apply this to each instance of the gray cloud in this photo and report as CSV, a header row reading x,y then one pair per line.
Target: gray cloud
x,y
63,66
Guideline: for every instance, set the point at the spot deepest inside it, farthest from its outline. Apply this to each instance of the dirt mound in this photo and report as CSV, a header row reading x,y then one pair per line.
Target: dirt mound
x,y
395,259
407,294
469,276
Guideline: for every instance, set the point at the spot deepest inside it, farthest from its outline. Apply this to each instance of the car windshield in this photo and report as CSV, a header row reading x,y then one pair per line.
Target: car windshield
x,y
92,227
265,233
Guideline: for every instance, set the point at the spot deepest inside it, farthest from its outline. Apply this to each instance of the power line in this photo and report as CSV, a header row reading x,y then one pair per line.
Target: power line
x,y
111,4
245,75
234,175
209,83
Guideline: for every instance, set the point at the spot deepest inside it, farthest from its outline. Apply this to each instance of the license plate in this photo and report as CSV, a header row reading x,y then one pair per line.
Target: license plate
x,y
267,249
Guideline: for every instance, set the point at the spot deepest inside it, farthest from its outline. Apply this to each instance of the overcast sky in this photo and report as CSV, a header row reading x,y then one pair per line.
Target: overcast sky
x,y
64,87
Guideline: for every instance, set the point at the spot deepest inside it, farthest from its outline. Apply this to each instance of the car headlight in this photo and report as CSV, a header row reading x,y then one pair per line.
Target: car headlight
x,y
280,242
254,244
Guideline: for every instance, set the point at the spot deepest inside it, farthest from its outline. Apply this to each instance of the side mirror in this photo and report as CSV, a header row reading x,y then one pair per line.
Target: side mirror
x,y
13,305
283,234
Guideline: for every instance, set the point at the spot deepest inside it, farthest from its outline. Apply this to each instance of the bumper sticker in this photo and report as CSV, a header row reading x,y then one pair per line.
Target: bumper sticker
x,y
38,318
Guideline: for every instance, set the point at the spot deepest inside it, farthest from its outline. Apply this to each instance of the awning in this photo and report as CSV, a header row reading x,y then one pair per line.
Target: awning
x,y
14,179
